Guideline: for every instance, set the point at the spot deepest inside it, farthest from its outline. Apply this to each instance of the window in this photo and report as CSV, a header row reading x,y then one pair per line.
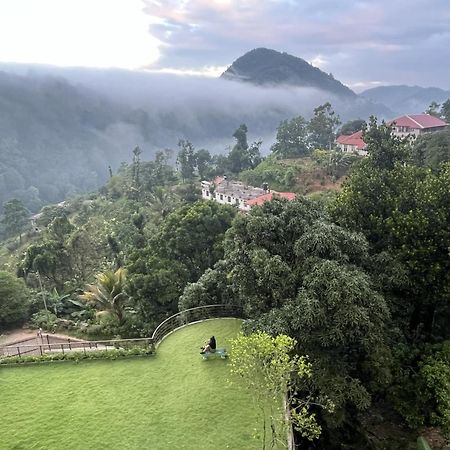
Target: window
x,y
207,193
229,199
221,197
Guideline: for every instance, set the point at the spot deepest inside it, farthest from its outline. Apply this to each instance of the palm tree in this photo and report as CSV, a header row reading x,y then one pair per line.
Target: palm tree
x,y
338,161
162,201
108,294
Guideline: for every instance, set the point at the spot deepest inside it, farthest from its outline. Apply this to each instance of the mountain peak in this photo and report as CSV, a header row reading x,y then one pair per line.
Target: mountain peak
x,y
264,66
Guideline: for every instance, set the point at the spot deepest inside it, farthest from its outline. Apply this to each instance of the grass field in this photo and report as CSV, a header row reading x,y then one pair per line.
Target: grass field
x,y
173,400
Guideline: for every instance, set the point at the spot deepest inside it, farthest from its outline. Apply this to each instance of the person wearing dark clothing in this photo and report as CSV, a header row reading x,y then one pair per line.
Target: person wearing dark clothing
x,y
209,346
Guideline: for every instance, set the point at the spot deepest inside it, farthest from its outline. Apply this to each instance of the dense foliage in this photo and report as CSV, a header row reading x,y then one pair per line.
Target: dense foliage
x,y
14,300
360,281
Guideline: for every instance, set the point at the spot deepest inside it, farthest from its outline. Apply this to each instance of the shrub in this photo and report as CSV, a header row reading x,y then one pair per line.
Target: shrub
x,y
45,320
14,299
78,356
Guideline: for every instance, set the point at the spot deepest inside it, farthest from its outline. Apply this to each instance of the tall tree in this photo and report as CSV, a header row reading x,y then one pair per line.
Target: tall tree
x,y
292,139
108,293
432,149
297,274
404,209
15,217
188,242
434,109
14,300
384,149
322,126
203,160
242,156
445,110
186,160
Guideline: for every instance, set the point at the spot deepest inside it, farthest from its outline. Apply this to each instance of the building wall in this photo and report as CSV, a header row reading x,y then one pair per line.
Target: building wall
x,y
224,199
348,148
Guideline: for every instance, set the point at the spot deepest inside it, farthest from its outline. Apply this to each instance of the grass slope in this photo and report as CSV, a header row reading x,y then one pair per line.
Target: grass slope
x,y
174,400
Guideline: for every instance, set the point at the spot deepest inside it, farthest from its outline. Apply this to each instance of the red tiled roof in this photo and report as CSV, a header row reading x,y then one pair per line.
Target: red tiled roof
x,y
268,197
218,180
354,139
418,121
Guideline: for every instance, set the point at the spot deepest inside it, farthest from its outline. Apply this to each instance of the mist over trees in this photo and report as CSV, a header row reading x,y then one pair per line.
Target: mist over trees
x,y
61,129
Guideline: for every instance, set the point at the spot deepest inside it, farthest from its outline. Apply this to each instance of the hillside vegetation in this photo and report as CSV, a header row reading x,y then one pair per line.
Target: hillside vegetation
x,y
359,277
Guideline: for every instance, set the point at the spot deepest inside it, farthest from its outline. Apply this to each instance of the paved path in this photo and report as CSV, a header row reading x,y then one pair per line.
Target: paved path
x,y
25,337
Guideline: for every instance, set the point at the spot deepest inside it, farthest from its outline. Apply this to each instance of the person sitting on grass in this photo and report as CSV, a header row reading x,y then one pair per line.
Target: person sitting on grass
x,y
209,346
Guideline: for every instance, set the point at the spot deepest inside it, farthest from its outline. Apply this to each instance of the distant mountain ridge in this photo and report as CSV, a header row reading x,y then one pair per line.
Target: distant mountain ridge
x,y
263,66
406,99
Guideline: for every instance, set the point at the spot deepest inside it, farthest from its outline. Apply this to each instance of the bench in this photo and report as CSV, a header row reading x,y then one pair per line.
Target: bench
x,y
219,352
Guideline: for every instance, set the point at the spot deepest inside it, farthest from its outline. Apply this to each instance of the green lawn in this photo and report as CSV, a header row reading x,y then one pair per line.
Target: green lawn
x,y
173,400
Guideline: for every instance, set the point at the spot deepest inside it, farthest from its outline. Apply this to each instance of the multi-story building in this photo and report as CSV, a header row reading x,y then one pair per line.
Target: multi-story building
x,y
412,125
416,124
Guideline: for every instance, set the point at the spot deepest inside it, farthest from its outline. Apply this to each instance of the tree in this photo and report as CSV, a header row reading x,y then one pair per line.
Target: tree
x,y
242,156
203,160
108,293
162,201
384,149
352,126
136,167
15,217
187,242
60,227
432,149
404,210
322,126
338,162
263,366
445,110
433,109
297,274
14,300
292,139
186,159
193,235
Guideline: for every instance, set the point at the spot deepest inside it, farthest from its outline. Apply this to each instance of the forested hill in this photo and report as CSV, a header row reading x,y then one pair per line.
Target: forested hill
x,y
266,66
57,139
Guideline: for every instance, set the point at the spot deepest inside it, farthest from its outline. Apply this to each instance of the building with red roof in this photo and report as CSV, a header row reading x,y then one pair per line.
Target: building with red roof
x,y
228,192
353,143
416,124
269,196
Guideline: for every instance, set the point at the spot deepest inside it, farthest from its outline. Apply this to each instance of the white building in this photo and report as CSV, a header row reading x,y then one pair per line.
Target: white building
x,y
238,194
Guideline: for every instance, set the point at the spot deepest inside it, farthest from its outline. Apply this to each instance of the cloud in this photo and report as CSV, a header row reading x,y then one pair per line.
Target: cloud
x,y
94,33
355,38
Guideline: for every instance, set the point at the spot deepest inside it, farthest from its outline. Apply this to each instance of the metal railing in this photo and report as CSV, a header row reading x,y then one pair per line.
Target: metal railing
x,y
69,345
194,315
43,345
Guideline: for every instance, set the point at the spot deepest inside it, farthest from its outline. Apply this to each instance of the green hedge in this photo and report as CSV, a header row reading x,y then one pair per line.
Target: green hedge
x,y
77,356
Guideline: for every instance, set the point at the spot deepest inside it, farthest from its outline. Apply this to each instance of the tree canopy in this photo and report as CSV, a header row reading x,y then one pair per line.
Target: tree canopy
x,y
14,300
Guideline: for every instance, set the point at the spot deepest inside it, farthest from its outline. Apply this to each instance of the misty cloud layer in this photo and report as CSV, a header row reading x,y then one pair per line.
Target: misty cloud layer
x,y
203,110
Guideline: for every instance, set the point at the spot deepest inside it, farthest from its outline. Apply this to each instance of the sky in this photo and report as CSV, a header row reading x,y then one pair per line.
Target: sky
x,y
362,43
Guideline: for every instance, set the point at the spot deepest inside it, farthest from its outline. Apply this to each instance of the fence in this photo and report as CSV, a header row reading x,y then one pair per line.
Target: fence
x,y
69,345
194,315
49,343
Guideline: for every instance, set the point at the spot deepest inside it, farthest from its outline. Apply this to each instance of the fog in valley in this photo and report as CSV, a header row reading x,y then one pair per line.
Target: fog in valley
x,y
62,128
